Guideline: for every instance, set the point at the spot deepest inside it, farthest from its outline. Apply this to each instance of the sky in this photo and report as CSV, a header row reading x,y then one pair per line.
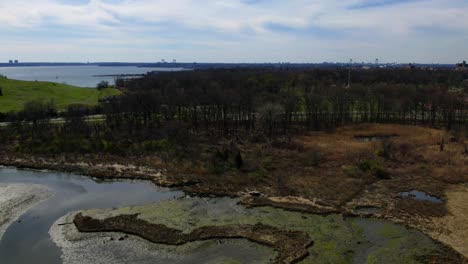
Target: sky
x,y
424,31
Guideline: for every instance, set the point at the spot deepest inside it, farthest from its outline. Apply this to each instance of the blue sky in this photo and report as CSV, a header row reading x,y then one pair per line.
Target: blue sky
x,y
431,31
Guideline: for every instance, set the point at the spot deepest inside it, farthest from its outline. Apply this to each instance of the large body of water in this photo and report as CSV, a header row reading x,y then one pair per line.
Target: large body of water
x,y
82,76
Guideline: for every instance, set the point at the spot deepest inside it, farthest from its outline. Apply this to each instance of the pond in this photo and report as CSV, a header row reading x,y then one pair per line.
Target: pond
x,y
337,239
421,196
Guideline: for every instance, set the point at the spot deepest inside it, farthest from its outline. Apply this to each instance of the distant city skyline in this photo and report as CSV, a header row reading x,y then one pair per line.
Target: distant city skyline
x,y
234,31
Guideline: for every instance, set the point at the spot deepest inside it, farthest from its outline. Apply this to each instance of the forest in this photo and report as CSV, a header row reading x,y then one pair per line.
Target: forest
x,y
169,112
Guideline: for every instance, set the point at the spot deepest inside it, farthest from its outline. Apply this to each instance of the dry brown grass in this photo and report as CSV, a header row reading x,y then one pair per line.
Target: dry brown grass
x,y
289,168
452,229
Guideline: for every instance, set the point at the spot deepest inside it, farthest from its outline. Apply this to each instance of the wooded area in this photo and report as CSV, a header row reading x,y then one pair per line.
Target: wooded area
x,y
165,111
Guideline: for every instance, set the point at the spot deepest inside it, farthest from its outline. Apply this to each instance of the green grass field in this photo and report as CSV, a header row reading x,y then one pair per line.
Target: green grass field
x,y
16,93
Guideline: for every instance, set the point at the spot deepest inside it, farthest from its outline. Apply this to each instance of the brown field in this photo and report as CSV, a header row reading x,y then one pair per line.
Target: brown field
x,y
452,229
412,160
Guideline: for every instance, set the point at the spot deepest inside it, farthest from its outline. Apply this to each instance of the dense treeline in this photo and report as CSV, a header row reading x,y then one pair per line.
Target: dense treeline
x,y
228,100
163,111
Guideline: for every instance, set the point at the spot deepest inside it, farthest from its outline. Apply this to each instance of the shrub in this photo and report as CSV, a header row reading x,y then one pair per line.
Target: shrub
x,y
259,174
365,154
386,147
238,161
368,165
288,145
381,173
374,167
102,85
38,109
313,157
405,149
219,161
221,155
353,171
217,168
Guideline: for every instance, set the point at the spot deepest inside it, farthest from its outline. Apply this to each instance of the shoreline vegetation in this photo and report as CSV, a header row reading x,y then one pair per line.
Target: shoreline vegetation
x,y
298,140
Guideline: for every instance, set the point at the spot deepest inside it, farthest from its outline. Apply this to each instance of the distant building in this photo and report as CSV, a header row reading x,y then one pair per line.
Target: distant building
x,y
10,61
462,66
16,61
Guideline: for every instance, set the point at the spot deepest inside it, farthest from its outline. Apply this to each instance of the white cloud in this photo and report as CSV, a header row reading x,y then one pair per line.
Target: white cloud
x,y
220,26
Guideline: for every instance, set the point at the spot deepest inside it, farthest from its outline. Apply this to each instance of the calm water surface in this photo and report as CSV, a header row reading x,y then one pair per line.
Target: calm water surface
x,y
28,241
82,76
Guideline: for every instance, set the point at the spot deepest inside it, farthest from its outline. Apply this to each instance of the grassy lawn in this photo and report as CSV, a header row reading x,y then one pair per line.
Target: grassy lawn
x,y
16,93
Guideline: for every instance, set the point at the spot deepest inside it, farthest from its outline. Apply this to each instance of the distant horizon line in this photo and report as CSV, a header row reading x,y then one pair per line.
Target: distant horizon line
x,y
225,63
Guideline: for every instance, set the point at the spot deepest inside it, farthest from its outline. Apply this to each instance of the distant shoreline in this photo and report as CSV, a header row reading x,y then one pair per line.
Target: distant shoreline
x,y
100,64
195,65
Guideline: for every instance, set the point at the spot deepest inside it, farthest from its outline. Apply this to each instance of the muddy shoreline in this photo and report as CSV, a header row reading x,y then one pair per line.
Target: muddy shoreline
x,y
102,171
16,199
114,247
290,245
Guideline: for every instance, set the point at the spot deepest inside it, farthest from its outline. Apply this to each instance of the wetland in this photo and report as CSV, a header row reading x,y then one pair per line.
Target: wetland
x,y
188,229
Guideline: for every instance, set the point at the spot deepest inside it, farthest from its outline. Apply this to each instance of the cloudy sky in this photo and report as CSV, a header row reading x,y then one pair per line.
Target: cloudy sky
x,y
433,31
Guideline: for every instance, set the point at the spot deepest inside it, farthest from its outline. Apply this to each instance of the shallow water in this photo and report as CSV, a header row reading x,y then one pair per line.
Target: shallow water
x,y
82,76
421,196
336,239
28,241
386,242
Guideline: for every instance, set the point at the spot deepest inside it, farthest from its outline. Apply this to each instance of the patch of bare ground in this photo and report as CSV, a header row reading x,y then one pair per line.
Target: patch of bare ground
x,y
452,228
291,245
298,204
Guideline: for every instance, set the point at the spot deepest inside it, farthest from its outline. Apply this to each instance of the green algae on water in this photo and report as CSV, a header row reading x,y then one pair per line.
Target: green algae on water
x,y
336,239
